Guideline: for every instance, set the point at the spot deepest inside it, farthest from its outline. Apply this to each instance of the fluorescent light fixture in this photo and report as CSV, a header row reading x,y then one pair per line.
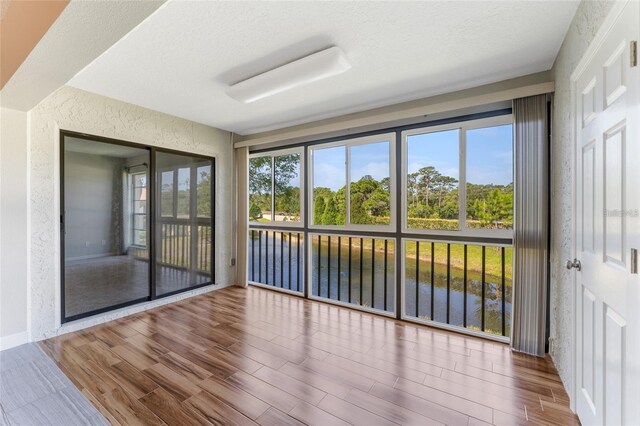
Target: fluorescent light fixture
x,y
323,64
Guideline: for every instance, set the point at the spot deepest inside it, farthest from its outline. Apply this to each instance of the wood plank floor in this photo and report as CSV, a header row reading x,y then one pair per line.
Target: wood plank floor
x,y
245,356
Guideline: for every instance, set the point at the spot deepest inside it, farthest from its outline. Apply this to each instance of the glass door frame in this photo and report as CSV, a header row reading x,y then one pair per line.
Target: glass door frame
x,y
151,218
157,216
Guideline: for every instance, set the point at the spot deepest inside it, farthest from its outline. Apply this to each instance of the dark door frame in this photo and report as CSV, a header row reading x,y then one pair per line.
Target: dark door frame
x,y
151,217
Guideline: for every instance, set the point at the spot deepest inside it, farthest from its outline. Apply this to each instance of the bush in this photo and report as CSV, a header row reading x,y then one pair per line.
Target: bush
x,y
446,224
443,224
255,212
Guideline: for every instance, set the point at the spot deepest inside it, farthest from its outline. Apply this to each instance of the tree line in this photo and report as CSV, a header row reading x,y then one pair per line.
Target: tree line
x,y
286,195
431,196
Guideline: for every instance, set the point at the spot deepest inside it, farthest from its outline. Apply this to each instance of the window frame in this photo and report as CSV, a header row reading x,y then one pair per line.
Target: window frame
x,y
152,170
389,137
273,155
463,127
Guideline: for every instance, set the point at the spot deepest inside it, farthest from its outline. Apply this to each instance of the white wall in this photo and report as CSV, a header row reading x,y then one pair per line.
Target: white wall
x,y
13,228
80,111
585,24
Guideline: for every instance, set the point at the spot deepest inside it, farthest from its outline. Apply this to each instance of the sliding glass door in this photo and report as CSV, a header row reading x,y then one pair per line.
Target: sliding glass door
x,y
105,206
184,243
136,224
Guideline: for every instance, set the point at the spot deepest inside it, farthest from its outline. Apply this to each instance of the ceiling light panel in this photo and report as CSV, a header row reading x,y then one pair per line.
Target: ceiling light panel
x,y
317,66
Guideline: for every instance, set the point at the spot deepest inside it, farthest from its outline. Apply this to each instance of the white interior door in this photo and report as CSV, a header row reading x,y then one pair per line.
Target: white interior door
x,y
608,228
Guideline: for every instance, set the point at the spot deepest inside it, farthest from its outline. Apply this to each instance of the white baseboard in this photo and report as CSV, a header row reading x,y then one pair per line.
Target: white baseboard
x,y
13,340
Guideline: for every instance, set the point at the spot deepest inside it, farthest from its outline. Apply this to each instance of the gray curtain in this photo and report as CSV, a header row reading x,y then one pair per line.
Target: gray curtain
x,y
531,132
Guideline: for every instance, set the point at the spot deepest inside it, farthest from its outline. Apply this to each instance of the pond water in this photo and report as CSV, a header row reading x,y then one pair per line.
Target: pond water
x,y
375,281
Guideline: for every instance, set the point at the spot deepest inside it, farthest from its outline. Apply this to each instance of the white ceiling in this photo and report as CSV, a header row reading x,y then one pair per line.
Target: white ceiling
x,y
182,58
82,32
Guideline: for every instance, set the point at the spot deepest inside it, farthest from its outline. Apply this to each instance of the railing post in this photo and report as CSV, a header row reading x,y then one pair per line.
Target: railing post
x,y
417,302
484,259
464,302
373,273
289,249
339,264
503,295
386,272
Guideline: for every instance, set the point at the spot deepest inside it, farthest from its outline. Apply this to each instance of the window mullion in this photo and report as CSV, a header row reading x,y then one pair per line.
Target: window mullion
x,y
348,176
273,188
462,181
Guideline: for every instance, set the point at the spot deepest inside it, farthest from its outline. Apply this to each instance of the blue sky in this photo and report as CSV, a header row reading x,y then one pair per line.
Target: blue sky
x,y
489,157
438,149
370,159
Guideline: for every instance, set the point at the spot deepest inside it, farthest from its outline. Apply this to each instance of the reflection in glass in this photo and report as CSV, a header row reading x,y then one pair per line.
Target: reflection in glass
x,y
105,234
260,189
329,186
369,190
490,178
166,193
204,191
432,180
183,194
184,239
139,210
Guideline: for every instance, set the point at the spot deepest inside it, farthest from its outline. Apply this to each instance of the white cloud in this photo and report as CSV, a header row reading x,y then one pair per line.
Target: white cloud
x,y
329,176
444,168
378,171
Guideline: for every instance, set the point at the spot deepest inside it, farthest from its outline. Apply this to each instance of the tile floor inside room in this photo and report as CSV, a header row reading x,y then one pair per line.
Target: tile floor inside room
x,y
257,356
34,391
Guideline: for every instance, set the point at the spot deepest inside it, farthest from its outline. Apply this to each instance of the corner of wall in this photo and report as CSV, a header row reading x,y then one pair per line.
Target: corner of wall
x,y
77,110
587,20
14,329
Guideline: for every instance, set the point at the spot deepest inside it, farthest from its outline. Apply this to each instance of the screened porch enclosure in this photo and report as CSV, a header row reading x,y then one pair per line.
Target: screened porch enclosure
x,y
414,223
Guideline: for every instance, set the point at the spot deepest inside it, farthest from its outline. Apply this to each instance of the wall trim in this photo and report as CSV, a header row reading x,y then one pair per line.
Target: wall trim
x,y
13,340
598,39
587,57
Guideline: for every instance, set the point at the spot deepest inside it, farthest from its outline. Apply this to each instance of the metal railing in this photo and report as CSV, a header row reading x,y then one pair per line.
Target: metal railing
x,y
276,258
355,270
183,244
459,284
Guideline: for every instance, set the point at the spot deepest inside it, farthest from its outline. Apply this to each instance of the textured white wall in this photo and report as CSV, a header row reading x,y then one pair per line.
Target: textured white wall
x,y
585,24
13,228
80,111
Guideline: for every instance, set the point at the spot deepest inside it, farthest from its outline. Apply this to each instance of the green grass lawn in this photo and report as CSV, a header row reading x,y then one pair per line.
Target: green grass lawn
x,y
493,255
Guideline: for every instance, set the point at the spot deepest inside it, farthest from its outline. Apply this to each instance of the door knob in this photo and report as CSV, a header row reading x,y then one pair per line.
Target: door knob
x,y
574,264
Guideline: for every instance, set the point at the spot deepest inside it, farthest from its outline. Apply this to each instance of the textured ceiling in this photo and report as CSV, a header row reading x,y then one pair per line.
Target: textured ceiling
x,y
182,58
